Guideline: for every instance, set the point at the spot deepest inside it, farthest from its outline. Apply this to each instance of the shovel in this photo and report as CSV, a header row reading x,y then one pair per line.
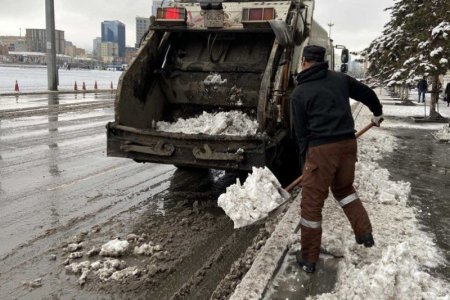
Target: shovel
x,y
286,191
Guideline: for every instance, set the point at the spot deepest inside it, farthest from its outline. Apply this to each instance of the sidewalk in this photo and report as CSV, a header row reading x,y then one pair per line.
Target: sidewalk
x,y
408,214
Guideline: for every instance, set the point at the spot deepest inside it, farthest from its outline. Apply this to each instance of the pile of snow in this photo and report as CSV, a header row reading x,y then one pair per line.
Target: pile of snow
x,y
248,203
214,79
105,270
111,268
147,249
222,123
114,248
443,134
398,266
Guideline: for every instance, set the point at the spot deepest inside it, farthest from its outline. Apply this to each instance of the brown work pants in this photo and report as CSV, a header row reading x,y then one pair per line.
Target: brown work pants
x,y
329,166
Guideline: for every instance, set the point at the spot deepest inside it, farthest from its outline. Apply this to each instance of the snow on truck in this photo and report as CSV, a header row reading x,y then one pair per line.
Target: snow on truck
x,y
202,59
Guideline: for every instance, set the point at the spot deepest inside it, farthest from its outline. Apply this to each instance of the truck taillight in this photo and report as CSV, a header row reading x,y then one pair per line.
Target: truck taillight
x,y
171,15
258,14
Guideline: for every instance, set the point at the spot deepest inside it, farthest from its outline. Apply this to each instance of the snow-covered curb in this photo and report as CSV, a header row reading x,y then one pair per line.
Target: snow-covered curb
x,y
267,262
396,268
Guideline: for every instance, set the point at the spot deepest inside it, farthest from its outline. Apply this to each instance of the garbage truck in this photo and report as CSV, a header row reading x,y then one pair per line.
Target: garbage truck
x,y
253,48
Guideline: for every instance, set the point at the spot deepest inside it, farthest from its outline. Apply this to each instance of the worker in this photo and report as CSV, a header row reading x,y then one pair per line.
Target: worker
x,y
325,133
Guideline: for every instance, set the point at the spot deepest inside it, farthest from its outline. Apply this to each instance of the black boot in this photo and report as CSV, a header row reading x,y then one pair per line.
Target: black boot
x,y
366,239
308,267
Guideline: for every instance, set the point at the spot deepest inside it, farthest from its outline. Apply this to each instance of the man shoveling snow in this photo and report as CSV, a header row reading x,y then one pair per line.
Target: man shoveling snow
x,y
260,194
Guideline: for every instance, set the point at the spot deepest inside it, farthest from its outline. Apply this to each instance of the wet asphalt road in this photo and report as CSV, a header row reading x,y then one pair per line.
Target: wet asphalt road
x,y
56,180
56,183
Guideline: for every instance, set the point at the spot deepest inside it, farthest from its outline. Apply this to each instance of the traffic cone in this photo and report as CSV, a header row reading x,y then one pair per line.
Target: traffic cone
x,y
95,85
75,87
16,87
111,85
84,86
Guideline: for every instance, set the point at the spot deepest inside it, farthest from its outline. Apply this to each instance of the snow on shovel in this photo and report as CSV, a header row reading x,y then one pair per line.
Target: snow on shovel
x,y
260,196
252,201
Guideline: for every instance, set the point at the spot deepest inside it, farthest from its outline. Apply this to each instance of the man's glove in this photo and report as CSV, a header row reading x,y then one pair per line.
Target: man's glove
x,y
376,120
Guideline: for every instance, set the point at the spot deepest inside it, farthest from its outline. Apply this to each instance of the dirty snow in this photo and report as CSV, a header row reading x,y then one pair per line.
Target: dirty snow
x,y
114,248
398,266
214,79
252,201
443,134
234,123
147,249
110,267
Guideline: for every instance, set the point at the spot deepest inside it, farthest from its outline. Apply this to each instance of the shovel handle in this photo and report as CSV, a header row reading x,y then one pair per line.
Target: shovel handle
x,y
364,130
294,184
297,181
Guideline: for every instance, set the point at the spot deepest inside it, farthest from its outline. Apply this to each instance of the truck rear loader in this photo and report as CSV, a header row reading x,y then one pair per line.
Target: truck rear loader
x,y
254,48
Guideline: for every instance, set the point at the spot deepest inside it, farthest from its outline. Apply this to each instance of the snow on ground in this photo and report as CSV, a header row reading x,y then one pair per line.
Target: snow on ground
x,y
443,134
114,248
398,267
222,123
252,201
110,268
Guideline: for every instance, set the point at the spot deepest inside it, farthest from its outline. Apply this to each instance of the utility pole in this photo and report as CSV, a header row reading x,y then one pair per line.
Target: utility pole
x,y
329,32
52,74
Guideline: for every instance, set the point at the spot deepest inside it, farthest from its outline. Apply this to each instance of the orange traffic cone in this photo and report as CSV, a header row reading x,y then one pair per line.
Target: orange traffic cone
x,y
16,87
112,85
84,86
95,85
75,87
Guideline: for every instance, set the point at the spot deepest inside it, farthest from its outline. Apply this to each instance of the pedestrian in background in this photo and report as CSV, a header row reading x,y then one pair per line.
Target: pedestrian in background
x,y
325,132
422,88
447,94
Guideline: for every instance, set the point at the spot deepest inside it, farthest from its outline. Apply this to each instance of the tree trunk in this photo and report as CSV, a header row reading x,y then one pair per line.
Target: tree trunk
x,y
405,93
434,115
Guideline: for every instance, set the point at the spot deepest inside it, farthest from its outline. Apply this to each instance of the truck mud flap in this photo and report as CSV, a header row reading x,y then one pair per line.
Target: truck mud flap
x,y
160,149
207,154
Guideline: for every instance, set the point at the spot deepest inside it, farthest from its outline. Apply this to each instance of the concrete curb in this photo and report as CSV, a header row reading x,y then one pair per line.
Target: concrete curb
x,y
57,92
266,264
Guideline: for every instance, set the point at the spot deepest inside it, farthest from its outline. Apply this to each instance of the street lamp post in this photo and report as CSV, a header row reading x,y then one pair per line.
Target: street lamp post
x,y
52,75
329,31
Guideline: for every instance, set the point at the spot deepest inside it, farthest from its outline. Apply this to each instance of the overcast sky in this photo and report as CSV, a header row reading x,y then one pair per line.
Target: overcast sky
x,y
356,22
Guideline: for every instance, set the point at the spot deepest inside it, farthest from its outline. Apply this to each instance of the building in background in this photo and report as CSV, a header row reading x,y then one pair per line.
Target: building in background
x,y
142,25
130,53
14,43
73,51
109,52
114,32
3,49
96,47
36,40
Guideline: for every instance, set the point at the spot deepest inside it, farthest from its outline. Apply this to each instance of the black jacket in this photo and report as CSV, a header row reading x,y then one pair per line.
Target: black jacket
x,y
321,106
422,85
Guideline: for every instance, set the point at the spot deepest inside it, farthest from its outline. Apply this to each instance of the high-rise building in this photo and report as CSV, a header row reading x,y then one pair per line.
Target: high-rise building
x,y
142,25
36,40
114,31
96,49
